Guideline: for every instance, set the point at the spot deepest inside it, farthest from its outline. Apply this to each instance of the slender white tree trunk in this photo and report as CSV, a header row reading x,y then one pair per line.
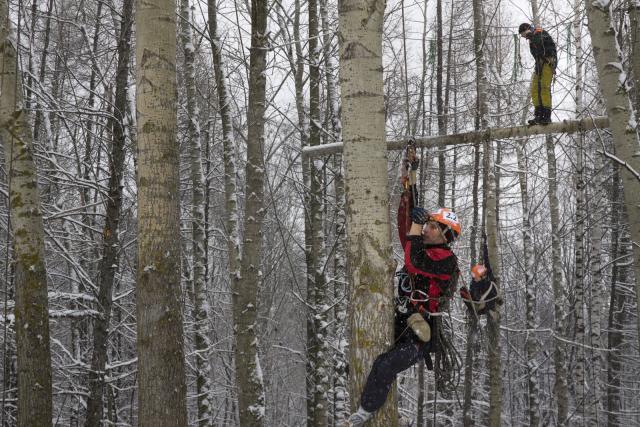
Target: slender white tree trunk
x,y
581,384
559,352
318,345
229,159
340,395
491,225
579,368
532,345
596,293
199,285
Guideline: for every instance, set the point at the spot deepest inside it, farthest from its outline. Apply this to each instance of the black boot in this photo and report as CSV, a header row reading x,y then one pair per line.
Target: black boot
x,y
537,116
545,116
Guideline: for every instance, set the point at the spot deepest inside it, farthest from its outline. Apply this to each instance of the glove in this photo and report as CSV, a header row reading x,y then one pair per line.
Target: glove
x,y
419,215
420,327
464,293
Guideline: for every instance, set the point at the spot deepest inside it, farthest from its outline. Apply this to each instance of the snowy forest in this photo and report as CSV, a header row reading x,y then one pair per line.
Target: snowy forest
x,y
199,203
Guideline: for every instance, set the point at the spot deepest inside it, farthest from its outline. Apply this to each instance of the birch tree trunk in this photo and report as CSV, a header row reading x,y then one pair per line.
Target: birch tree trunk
x,y
491,226
200,304
229,159
368,232
596,292
559,353
620,114
251,399
31,305
340,395
230,189
582,393
579,369
318,346
531,343
160,342
109,261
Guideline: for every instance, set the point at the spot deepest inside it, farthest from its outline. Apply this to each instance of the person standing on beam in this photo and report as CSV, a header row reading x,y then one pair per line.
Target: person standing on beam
x,y
543,49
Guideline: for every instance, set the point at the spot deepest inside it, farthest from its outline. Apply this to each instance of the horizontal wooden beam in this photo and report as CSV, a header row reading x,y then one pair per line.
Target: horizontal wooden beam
x,y
565,126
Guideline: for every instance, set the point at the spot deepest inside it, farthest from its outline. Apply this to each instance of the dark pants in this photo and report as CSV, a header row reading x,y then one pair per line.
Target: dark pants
x,y
386,368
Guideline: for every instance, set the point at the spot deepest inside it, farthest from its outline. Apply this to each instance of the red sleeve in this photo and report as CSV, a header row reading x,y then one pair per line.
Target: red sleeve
x,y
404,216
419,260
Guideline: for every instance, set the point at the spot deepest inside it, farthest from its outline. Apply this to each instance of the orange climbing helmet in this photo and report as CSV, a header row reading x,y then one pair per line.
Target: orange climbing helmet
x,y
478,271
448,221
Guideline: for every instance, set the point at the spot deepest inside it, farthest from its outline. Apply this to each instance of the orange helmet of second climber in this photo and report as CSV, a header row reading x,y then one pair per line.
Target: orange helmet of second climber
x,y
448,221
478,271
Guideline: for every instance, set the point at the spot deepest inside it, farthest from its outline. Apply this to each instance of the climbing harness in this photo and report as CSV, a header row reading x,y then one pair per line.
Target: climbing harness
x,y
447,362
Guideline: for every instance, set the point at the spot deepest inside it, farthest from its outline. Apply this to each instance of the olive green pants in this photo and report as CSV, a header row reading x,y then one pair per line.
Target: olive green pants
x,y
541,86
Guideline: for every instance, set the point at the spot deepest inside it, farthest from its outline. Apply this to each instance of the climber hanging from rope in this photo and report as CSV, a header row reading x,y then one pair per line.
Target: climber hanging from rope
x,y
543,49
425,285
482,296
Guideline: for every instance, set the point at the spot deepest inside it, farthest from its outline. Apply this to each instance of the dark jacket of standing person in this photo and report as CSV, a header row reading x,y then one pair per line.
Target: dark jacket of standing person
x,y
543,50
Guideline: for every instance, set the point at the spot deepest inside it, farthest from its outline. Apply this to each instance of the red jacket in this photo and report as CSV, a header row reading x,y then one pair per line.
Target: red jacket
x,y
434,268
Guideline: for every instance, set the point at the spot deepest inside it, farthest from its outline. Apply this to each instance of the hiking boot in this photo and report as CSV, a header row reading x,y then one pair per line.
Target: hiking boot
x,y
358,418
537,116
545,116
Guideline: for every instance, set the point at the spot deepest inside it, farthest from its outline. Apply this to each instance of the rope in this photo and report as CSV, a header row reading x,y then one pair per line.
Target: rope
x,y
448,362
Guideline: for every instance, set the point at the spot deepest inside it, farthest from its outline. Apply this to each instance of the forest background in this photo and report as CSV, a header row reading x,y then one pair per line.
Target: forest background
x,y
242,317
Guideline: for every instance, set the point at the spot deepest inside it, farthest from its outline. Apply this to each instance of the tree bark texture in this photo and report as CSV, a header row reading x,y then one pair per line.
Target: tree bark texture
x,y
532,345
198,236
579,287
559,352
249,380
230,168
596,290
317,342
109,261
368,231
620,114
160,342
491,225
31,305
